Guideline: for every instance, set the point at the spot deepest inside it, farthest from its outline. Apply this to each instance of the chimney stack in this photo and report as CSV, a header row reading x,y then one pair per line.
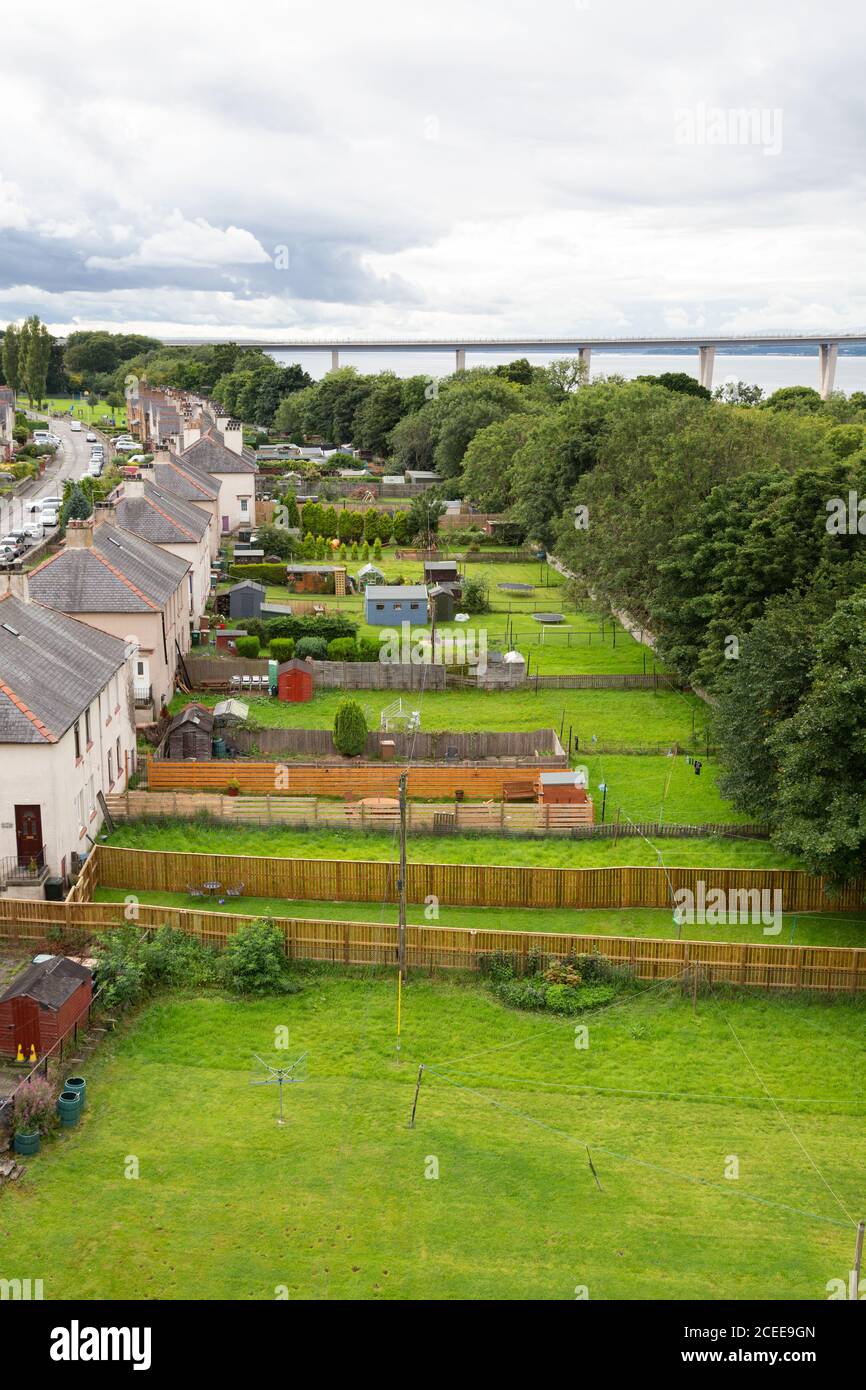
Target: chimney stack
x,y
79,534
133,487
14,581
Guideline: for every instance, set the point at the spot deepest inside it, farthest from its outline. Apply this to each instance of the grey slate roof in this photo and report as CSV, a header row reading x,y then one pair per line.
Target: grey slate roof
x,y
211,456
190,483
193,714
50,672
121,573
162,517
49,982
382,592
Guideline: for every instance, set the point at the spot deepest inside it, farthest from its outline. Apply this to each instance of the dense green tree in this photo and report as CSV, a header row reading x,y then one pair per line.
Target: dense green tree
x,y
488,477
34,355
12,366
378,413
678,381
350,729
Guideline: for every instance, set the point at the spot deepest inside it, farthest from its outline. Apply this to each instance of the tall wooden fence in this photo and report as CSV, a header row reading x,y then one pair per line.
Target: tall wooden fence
x,y
303,779
539,747
651,680
459,885
826,968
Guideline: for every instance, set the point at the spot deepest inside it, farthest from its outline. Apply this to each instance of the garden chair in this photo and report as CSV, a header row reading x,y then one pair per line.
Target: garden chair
x,y
236,682
235,890
193,891
247,682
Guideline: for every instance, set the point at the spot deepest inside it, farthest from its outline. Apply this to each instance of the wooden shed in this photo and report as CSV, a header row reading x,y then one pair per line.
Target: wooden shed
x,y
295,681
190,734
562,788
42,1004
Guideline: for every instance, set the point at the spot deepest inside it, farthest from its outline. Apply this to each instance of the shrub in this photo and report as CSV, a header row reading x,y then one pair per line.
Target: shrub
x,y
282,648
368,649
264,574
328,627
247,647
476,598
343,649
350,729
311,647
34,1107
255,962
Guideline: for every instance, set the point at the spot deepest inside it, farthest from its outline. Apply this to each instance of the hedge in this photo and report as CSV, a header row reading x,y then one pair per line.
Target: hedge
x,y
265,574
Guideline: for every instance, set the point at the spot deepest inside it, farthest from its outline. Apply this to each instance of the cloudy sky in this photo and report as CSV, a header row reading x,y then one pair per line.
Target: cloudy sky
x,y
470,167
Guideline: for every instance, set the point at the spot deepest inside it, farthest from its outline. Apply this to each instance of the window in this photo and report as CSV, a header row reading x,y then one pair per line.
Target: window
x,y
110,767
380,608
77,735
139,668
245,506
413,608
117,747
87,736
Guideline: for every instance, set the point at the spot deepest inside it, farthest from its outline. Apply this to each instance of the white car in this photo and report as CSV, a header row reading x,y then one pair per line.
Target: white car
x,y
90,437
50,503
125,446
34,530
75,426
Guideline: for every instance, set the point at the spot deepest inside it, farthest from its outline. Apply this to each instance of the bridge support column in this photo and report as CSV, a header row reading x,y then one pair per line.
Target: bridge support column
x,y
585,356
460,355
827,356
335,359
706,362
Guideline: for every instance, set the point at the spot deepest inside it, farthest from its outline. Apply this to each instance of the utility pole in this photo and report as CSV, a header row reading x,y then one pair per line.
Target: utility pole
x,y
858,1260
401,882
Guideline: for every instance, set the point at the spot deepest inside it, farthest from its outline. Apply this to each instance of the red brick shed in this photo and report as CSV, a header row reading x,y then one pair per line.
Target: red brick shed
x,y
42,1003
295,681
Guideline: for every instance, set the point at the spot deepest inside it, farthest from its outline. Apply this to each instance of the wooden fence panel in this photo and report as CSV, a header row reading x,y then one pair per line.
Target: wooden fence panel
x,y
432,947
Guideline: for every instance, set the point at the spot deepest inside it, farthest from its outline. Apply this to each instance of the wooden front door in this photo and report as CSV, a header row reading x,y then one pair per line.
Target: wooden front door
x,y
25,1024
28,835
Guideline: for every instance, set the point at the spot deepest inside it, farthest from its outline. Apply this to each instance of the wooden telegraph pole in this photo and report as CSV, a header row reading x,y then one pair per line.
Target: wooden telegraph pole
x,y
401,882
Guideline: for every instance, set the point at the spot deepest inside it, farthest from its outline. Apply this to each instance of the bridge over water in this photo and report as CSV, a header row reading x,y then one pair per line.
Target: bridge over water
x,y
826,345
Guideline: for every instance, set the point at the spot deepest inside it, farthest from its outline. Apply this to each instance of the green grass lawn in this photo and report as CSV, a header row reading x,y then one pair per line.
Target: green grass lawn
x,y
82,410
280,842
342,1202
581,644
642,719
801,929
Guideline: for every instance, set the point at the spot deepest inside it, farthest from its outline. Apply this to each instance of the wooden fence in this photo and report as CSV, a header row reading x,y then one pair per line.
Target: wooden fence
x,y
459,885
377,675
539,747
504,818
425,782
826,968
655,680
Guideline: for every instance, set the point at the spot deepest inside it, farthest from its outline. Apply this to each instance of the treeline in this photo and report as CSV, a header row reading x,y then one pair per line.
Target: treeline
x,y
738,536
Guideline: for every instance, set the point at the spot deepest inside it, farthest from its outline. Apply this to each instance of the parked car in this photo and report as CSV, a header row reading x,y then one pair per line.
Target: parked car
x,y
11,543
50,503
34,530
126,446
90,437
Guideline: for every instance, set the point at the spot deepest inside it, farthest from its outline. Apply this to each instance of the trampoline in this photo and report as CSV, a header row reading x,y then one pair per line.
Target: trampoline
x,y
549,618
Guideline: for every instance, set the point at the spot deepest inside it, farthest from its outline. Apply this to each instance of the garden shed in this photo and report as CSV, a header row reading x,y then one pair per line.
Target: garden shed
x,y
244,600
190,734
42,1004
442,601
295,681
441,572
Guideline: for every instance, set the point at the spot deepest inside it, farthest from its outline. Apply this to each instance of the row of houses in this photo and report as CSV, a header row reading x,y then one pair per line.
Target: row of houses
x,y
92,639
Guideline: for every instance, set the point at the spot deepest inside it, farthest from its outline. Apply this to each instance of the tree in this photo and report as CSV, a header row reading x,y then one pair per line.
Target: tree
x,y
344,526
678,381
738,393
401,528
12,357
796,398
350,729
821,806
371,524
77,506
292,515
275,540
489,458
34,357
422,518
476,597
377,415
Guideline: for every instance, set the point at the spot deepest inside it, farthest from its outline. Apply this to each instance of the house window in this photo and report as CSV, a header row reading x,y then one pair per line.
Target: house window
x,y
87,737
380,608
245,506
77,735
413,608
110,767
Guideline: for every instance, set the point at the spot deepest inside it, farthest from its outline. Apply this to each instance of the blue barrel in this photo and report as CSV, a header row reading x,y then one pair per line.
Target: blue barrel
x,y
68,1108
79,1085
27,1143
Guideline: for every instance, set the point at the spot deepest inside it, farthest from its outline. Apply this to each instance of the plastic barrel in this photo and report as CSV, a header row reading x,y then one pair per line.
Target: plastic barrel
x,y
79,1085
26,1143
69,1107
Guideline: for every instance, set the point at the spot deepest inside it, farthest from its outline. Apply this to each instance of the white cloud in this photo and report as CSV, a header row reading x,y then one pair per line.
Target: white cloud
x,y
190,242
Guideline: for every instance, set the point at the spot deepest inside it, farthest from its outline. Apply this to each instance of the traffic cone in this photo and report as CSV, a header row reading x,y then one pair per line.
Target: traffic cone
x,y
33,1052
19,1055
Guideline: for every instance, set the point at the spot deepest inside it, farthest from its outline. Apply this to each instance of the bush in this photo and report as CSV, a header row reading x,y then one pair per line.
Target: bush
x,y
255,962
350,729
315,648
328,627
130,965
247,647
368,649
476,598
343,649
34,1107
264,574
282,648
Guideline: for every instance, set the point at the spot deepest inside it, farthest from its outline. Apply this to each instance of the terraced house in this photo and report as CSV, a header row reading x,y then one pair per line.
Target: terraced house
x,y
234,471
66,734
125,586
168,521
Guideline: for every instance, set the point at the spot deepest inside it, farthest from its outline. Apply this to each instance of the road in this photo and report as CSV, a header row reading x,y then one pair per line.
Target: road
x,y
70,461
